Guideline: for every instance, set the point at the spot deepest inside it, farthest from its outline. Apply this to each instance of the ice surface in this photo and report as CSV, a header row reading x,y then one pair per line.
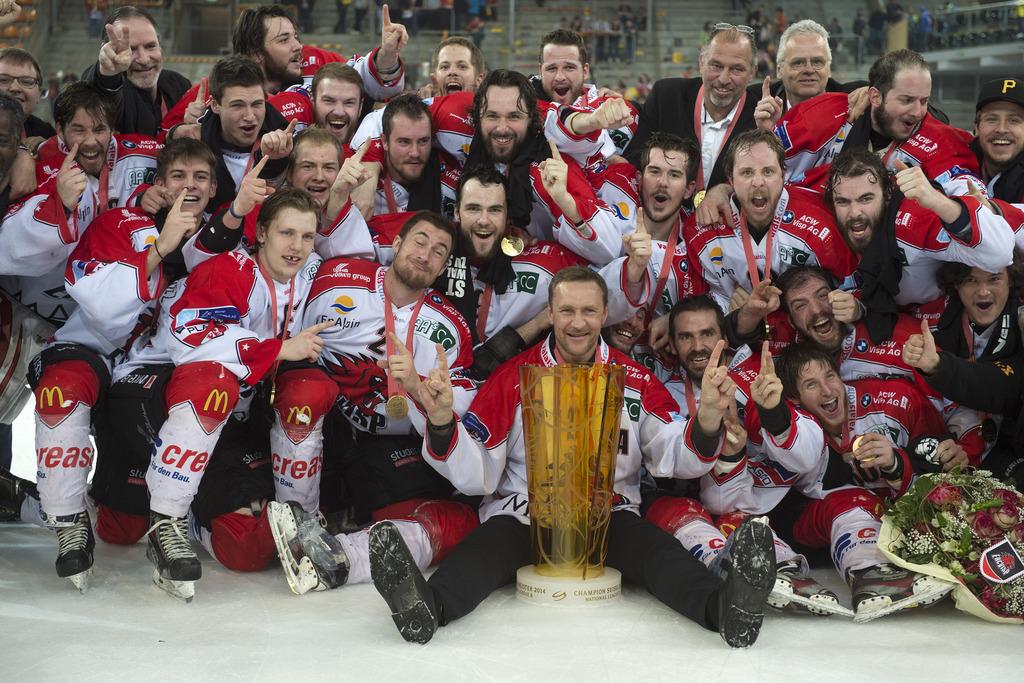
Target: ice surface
x,y
251,627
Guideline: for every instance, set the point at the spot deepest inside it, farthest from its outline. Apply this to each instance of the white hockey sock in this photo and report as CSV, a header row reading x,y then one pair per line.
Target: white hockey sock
x,y
702,539
64,456
855,541
783,553
180,455
297,466
357,548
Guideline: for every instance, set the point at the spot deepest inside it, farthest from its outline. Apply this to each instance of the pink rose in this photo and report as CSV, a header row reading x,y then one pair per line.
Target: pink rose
x,y
1006,517
1007,496
983,525
1016,534
945,496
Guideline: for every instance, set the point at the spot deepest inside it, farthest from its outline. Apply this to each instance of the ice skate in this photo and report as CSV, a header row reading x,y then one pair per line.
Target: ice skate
x,y
748,569
311,557
401,584
12,493
795,591
170,551
884,589
75,545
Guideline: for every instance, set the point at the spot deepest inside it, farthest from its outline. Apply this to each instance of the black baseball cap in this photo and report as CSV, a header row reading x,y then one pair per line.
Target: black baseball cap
x,y
1006,89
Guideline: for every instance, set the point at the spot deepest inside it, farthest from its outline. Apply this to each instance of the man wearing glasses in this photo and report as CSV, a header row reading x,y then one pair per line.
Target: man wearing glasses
x,y
21,79
712,108
805,65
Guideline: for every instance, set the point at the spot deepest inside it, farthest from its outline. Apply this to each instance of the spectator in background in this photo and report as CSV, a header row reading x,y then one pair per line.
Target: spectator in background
x,y
21,79
835,35
475,29
341,25
859,25
924,30
94,11
876,28
614,36
629,31
781,22
576,24
361,7
601,30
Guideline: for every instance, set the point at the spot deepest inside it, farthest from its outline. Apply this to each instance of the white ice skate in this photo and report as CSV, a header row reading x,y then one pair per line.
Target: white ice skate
x,y
311,558
796,591
885,589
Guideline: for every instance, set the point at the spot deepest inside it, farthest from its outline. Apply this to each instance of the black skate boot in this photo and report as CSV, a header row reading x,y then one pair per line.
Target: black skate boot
x,y
401,584
748,571
798,592
311,557
170,551
12,493
885,588
75,545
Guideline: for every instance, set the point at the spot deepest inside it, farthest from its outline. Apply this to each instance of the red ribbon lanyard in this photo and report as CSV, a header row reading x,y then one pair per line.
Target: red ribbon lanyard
x,y
697,131
659,287
389,192
691,400
846,446
252,156
394,389
281,334
740,223
968,335
483,311
104,189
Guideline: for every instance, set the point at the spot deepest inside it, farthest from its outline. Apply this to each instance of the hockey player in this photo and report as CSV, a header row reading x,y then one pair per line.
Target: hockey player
x,y
267,35
458,67
928,228
666,182
384,322
898,126
83,170
564,65
337,100
771,226
226,328
116,274
241,128
696,328
851,456
483,453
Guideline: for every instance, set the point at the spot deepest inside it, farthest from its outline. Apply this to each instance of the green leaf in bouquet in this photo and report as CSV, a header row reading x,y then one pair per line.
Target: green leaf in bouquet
x,y
986,504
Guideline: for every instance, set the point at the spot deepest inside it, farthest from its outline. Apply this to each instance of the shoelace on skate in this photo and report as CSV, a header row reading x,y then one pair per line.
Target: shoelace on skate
x,y
75,537
172,535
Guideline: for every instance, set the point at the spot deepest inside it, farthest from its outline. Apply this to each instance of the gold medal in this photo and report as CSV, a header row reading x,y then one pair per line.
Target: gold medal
x,y
698,198
397,407
512,246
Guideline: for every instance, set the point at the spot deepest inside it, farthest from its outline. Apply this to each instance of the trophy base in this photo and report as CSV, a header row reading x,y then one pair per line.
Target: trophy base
x,y
536,589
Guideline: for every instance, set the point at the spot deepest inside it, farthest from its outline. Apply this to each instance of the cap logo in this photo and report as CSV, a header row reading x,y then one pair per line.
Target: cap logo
x,y
1009,84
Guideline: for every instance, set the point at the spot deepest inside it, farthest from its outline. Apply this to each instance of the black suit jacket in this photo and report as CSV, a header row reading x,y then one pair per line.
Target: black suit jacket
x,y
669,108
136,112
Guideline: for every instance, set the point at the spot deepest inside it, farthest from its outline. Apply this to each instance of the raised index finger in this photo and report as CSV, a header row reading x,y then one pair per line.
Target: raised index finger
x,y
320,327
555,154
69,160
291,127
399,346
766,87
716,355
385,16
201,94
442,359
177,202
767,362
358,156
258,168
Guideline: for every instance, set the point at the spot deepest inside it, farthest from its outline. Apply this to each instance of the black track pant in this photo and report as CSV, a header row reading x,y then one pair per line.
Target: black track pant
x,y
490,555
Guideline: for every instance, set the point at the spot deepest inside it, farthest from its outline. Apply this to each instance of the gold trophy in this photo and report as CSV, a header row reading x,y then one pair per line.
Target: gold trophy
x,y
571,416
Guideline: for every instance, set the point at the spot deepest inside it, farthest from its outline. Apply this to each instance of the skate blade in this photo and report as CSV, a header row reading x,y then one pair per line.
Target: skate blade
x,y
280,531
182,590
81,580
824,607
928,597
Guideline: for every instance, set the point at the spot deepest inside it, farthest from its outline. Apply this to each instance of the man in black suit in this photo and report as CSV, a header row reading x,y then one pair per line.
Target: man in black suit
x,y
717,102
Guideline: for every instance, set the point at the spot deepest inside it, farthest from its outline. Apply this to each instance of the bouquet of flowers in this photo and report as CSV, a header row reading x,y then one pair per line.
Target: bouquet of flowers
x,y
967,528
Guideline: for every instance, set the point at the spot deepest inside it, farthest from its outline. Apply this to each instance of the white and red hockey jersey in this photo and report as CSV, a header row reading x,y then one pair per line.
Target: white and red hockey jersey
x,y
802,233
893,408
38,234
488,453
814,132
227,311
106,276
351,294
925,244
